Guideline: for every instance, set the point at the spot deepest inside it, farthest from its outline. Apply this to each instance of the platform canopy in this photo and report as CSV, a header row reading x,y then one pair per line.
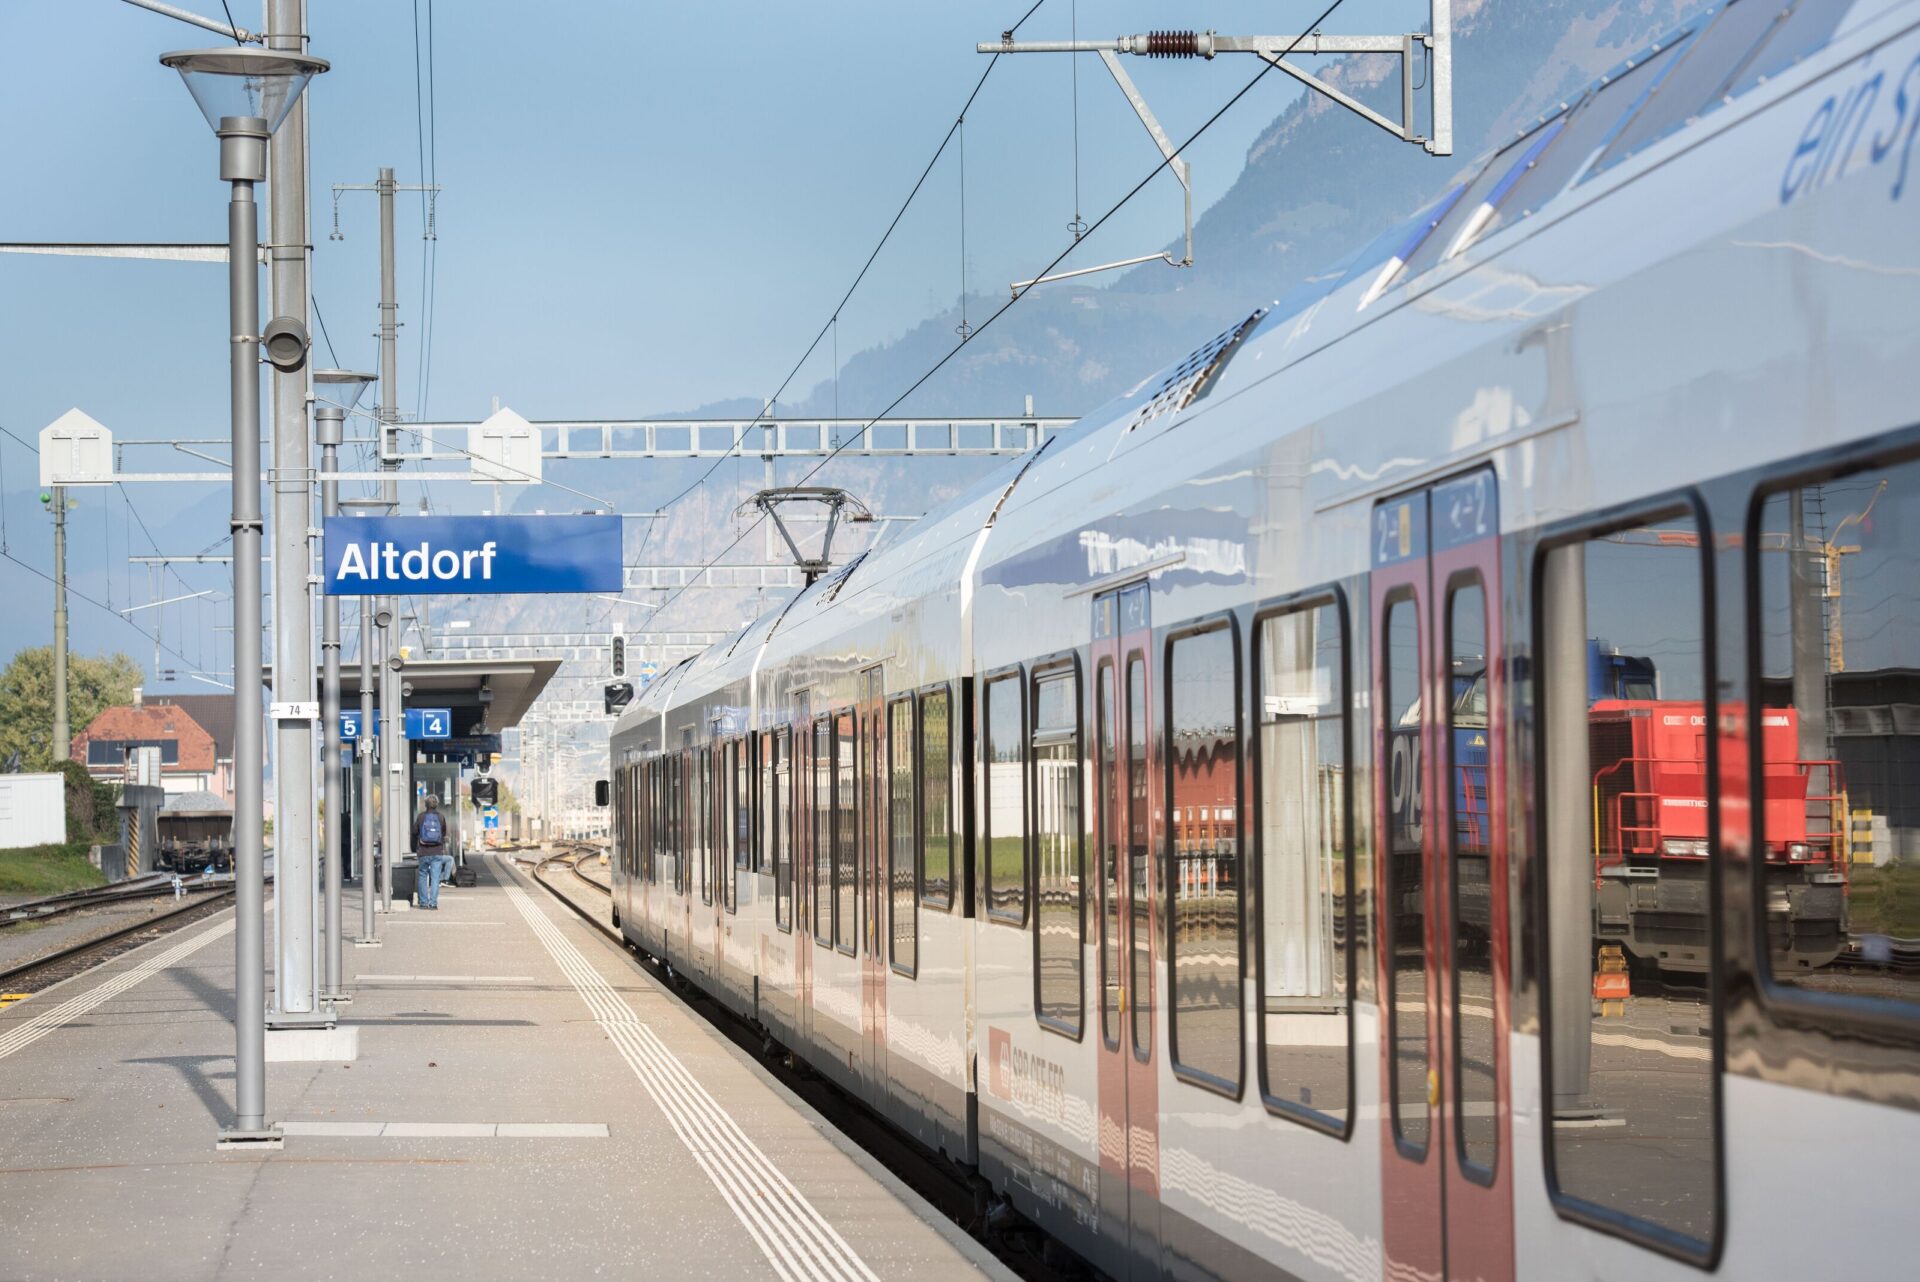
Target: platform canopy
x,y
485,696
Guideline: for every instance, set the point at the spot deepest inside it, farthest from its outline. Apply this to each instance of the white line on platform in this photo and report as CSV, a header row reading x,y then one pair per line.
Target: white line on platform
x,y
26,1034
443,979
796,1239
439,921
449,1130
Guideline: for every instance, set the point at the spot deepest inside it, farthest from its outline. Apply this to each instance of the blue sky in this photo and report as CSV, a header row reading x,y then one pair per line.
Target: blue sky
x,y
647,207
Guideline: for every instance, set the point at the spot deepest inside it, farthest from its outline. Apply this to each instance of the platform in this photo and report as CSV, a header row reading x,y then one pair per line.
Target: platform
x,y
525,1102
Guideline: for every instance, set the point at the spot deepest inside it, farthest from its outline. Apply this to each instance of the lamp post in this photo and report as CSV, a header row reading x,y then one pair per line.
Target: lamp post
x,y
245,93
336,393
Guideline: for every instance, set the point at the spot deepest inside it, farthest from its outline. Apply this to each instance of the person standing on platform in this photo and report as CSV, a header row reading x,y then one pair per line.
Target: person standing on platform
x,y
430,844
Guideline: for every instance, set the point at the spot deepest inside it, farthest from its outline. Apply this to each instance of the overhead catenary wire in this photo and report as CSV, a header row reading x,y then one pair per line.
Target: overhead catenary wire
x,y
859,276
1002,309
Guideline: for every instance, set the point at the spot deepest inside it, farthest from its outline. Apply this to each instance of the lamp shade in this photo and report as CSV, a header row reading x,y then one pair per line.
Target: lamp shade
x,y
342,387
244,82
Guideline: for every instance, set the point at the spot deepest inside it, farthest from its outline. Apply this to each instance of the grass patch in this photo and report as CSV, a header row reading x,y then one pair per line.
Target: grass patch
x,y
1885,900
48,870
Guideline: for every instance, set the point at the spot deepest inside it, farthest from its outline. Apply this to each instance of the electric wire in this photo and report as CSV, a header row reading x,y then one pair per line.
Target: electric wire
x,y
859,276
1002,309
98,605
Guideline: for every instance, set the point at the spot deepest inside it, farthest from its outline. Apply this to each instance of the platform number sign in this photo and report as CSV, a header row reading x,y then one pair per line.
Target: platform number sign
x,y
350,724
429,723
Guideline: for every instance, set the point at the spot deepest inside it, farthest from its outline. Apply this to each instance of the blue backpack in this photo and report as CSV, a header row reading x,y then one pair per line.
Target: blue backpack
x,y
433,829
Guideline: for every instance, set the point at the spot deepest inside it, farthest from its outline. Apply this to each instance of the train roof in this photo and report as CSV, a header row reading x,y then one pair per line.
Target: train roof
x,y
1705,63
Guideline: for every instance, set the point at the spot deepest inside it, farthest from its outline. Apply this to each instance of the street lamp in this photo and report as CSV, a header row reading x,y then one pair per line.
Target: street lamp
x,y
245,93
335,392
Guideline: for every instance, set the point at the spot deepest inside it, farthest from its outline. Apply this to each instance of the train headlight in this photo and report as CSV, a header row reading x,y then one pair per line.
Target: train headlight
x,y
1675,848
1799,852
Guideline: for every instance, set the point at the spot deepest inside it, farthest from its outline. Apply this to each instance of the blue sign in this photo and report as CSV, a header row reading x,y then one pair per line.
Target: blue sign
x,y
471,555
350,723
492,818
429,723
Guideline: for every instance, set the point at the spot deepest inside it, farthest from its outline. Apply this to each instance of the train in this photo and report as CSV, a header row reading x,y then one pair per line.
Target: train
x,y
1235,831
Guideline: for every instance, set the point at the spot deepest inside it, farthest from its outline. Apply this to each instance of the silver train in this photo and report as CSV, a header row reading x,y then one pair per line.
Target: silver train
x,y
1428,786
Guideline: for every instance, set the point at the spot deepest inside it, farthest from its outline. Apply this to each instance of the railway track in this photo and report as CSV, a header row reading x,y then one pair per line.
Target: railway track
x,y
964,1201
149,886
45,971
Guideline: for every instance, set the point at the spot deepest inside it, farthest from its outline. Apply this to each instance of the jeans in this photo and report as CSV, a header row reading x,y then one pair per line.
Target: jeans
x,y
433,872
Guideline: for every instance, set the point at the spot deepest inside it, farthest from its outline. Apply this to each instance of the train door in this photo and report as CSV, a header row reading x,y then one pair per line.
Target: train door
x,y
1439,694
1126,837
873,880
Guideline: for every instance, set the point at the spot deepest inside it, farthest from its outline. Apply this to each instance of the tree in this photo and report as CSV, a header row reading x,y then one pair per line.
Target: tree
x,y
26,699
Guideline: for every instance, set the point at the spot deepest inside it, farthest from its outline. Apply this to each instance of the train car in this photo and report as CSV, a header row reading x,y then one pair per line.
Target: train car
x,y
1104,829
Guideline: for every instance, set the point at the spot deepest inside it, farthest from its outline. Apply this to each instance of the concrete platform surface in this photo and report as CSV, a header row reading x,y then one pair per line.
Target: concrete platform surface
x,y
526,1103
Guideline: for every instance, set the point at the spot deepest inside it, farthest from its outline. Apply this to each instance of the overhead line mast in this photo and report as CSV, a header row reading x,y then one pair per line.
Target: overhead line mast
x,y
1275,50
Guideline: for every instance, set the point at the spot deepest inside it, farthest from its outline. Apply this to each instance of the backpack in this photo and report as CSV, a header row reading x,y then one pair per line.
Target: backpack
x,y
433,829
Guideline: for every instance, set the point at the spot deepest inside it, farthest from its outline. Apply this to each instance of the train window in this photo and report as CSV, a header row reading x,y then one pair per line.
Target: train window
x,y
778,811
1107,802
846,919
1203,883
1837,737
1140,915
1003,835
1695,85
822,850
704,816
1405,910
1306,874
901,882
1059,850
742,818
936,801
1470,907
1589,126
1799,36
1627,844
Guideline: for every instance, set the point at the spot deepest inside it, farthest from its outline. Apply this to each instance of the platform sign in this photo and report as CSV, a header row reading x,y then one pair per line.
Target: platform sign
x,y
350,723
429,723
472,555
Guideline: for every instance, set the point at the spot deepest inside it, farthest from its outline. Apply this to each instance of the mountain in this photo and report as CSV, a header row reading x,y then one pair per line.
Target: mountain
x,y
1319,183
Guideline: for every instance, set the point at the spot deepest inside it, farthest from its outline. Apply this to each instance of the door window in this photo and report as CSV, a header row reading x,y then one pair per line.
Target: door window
x,y
1405,911
1003,839
1203,889
1306,938
1059,850
1469,748
1140,982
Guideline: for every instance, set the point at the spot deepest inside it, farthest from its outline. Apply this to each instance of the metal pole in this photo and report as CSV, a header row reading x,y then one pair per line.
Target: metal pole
x,y
328,429
62,731
295,910
243,162
363,748
394,804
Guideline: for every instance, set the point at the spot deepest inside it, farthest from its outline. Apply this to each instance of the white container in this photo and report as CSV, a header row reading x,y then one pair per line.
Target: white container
x,y
33,810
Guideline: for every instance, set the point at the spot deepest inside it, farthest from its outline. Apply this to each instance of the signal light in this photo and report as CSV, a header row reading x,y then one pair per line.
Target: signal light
x,y
619,655
618,695
486,791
